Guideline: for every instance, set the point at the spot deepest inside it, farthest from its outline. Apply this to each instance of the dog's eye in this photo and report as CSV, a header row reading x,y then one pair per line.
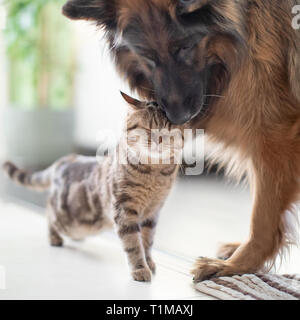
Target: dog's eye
x,y
183,51
186,48
150,61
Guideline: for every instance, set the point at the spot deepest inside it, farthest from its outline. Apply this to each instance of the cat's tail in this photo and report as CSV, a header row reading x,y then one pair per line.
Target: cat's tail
x,y
37,181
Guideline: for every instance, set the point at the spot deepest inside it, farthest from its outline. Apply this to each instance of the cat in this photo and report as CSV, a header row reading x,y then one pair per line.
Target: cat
x,y
88,196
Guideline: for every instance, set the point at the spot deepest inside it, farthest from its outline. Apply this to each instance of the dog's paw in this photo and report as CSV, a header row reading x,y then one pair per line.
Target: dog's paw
x,y
205,269
151,265
143,275
225,251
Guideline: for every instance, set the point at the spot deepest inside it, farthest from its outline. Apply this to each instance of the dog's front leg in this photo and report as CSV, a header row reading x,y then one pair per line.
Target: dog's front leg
x,y
275,190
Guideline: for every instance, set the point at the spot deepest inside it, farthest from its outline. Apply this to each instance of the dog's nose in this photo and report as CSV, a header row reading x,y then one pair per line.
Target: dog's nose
x,y
179,118
176,112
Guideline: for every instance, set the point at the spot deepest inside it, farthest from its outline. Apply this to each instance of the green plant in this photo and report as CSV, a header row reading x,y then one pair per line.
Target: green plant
x,y
40,53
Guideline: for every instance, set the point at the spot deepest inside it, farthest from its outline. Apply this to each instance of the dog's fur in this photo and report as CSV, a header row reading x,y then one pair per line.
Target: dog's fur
x,y
239,79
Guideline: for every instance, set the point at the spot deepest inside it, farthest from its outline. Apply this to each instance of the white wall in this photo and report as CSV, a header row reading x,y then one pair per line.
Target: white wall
x,y
98,103
3,84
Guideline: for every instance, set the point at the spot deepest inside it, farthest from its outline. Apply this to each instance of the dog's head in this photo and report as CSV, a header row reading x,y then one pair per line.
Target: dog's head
x,y
178,52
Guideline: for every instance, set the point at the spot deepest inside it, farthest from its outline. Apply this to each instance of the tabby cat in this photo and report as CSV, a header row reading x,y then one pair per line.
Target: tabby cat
x,y
87,196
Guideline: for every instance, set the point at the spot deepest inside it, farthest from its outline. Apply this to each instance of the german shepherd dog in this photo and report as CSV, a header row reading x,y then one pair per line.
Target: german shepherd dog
x,y
231,67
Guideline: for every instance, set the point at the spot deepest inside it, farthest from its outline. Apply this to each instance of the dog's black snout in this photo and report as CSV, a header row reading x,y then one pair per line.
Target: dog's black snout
x,y
189,101
178,111
178,118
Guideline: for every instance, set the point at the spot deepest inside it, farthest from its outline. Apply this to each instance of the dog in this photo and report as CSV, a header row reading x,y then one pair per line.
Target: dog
x,y
231,68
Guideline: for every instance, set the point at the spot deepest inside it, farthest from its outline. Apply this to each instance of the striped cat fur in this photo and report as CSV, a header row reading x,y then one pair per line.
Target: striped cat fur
x,y
87,197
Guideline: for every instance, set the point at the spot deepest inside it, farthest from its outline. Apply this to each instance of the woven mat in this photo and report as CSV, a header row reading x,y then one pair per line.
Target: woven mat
x,y
253,287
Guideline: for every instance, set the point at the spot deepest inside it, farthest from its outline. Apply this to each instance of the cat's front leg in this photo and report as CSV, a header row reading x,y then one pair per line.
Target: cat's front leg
x,y
129,231
148,227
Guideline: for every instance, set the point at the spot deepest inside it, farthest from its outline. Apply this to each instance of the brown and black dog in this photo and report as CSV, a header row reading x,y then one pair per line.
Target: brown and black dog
x,y
230,67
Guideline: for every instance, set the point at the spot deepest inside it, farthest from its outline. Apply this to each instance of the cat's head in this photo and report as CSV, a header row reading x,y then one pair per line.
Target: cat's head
x,y
149,132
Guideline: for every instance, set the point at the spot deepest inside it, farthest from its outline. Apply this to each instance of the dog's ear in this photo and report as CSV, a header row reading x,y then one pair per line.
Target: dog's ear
x,y
134,103
103,12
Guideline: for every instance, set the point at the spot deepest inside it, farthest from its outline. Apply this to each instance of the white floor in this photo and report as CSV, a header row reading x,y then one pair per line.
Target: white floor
x,y
198,215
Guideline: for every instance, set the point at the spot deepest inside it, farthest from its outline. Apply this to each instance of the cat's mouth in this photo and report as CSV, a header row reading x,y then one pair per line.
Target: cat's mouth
x,y
155,153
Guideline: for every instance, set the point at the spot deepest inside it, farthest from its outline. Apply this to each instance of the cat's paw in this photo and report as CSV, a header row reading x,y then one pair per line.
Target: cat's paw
x,y
56,242
151,265
143,275
54,238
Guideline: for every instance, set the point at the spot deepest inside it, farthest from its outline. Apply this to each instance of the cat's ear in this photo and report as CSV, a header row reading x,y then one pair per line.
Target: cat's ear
x,y
103,12
134,103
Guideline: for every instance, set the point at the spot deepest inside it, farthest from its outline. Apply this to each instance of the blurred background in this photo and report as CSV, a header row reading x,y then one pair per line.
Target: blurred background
x,y
58,88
